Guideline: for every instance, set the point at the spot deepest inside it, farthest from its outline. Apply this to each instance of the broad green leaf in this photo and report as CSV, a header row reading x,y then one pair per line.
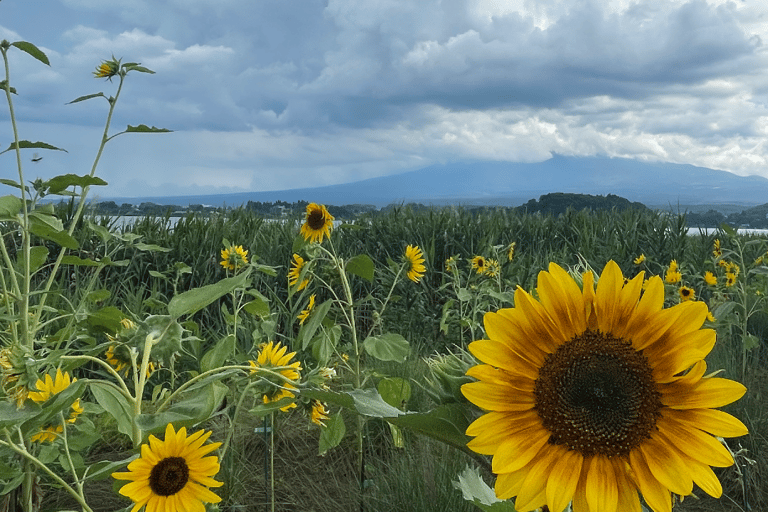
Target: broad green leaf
x,y
257,307
332,433
196,299
136,67
192,409
387,347
142,128
37,257
325,343
150,247
33,50
58,183
395,391
10,206
103,233
215,357
474,489
12,484
316,317
463,295
75,260
87,97
25,144
332,397
446,423
11,183
10,415
103,469
368,402
750,341
50,228
99,295
362,266
107,318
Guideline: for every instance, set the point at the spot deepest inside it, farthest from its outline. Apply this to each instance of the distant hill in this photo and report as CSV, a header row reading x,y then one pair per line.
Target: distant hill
x,y
512,184
558,202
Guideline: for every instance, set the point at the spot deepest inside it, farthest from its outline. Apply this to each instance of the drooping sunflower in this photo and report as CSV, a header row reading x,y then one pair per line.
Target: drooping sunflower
x,y
319,413
479,263
710,278
274,355
639,260
414,260
594,396
45,390
173,474
297,265
318,223
234,257
511,251
306,312
717,251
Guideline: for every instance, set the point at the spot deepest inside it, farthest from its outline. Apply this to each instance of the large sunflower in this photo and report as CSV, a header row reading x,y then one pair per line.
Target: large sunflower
x,y
414,260
318,223
173,474
594,396
273,355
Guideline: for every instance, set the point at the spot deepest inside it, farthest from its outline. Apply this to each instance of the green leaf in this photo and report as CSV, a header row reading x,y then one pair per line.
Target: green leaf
x,y
474,489
446,423
307,331
25,144
193,409
87,97
750,341
150,247
362,266
325,343
99,295
142,128
11,183
33,50
37,257
59,183
103,469
103,233
136,67
10,415
107,318
50,228
215,357
368,402
196,299
332,433
75,260
395,391
387,347
257,307
10,206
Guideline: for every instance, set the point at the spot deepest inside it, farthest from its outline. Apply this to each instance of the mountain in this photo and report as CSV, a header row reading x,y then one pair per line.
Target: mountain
x,y
512,184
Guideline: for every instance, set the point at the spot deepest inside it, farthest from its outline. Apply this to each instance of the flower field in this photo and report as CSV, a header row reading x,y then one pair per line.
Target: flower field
x,y
415,360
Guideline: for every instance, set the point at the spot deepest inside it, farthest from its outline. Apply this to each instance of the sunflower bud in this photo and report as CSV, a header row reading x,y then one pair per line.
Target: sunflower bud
x,y
447,375
107,69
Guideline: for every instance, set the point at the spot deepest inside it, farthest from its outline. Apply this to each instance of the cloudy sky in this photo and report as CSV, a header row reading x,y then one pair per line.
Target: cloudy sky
x,y
277,94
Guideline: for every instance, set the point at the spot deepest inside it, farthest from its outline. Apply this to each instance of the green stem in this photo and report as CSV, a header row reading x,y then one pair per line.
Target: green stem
x,y
28,457
230,433
272,460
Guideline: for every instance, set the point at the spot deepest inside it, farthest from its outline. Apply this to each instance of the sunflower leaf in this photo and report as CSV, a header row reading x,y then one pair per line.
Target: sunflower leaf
x,y
474,489
332,433
388,347
196,299
33,50
362,266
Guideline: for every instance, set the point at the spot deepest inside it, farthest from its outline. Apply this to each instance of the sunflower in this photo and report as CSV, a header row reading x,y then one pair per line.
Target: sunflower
x,y
730,279
45,390
173,474
492,268
306,312
274,355
640,259
686,293
716,249
318,223
234,257
414,260
107,69
673,275
451,264
319,413
710,278
118,359
479,263
596,395
293,275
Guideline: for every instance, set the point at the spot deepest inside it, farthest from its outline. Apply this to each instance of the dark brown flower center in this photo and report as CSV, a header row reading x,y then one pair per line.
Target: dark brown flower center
x,y
169,476
596,394
316,219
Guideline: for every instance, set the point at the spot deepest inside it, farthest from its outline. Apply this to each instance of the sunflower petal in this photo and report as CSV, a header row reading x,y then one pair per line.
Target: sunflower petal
x,y
601,486
708,393
655,494
717,423
563,480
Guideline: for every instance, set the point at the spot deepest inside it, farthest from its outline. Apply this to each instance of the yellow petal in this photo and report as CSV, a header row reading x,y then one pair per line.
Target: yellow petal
x,y
519,450
705,478
666,465
533,491
588,296
508,484
528,311
608,289
497,354
655,494
563,480
493,428
708,393
673,359
629,500
497,397
715,422
601,488
561,298
694,443
488,373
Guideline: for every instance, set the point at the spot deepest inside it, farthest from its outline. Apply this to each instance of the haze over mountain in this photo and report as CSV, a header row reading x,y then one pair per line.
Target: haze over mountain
x,y
512,184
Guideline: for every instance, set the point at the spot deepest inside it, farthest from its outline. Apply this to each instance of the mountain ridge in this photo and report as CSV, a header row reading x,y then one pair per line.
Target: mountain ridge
x,y
514,183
